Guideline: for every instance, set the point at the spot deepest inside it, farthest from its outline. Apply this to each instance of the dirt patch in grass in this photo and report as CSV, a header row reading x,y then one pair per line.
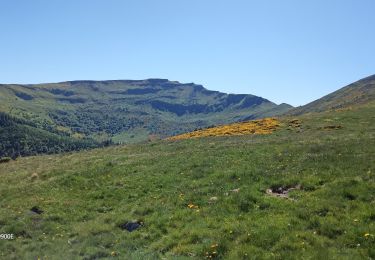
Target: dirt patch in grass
x,y
294,123
331,127
281,191
36,210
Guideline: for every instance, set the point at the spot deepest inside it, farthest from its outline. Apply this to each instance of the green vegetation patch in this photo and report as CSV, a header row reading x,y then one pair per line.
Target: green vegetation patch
x,y
201,198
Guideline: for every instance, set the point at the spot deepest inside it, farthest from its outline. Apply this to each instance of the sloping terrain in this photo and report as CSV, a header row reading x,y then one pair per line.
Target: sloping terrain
x,y
19,137
202,198
129,111
355,94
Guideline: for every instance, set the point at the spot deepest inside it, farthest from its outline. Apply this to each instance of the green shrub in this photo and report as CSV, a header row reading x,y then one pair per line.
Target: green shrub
x,y
5,159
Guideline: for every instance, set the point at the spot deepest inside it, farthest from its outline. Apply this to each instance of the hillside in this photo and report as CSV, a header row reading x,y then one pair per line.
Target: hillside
x,y
129,111
302,191
358,93
19,137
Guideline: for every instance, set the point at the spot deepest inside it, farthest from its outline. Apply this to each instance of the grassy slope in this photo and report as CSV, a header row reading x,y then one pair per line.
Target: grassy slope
x,y
355,94
85,196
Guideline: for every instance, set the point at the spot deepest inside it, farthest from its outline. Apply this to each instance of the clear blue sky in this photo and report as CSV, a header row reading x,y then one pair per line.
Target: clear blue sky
x,y
290,51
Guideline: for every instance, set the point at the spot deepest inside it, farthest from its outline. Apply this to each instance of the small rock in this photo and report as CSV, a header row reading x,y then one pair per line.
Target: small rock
x,y
213,199
131,226
36,210
34,176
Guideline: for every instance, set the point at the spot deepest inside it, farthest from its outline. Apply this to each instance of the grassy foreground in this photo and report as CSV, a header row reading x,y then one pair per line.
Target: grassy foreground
x,y
202,198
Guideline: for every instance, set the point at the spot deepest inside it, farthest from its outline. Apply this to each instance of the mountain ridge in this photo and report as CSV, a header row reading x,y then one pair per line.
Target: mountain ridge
x,y
354,94
130,110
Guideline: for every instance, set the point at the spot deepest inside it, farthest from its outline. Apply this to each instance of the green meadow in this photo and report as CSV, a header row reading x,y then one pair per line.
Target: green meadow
x,y
202,198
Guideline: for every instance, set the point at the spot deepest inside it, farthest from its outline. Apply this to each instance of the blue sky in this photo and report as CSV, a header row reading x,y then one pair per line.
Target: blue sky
x,y
289,51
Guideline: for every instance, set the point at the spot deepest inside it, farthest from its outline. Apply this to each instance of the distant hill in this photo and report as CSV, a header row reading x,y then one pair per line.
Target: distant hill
x,y
129,110
360,92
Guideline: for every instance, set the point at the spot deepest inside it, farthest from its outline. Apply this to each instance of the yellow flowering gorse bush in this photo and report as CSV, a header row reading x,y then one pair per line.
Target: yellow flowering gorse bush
x,y
262,126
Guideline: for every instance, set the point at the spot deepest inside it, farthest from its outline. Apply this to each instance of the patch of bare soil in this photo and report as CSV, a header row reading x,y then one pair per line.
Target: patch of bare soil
x,y
294,123
281,191
331,127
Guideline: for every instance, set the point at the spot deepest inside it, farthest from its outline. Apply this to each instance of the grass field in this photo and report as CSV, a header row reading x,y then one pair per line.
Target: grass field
x,y
203,197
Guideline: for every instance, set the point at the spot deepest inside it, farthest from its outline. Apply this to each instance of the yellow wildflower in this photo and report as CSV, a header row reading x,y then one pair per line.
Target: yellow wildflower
x,y
214,245
192,206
